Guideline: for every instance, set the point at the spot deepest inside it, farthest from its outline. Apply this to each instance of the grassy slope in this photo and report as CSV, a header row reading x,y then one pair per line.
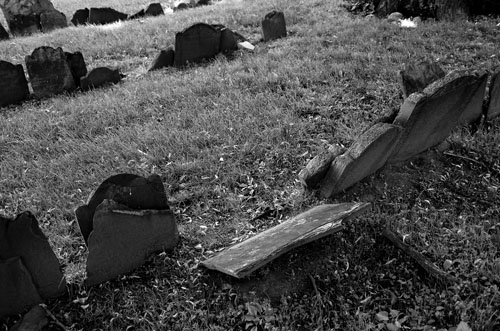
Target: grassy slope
x,y
229,138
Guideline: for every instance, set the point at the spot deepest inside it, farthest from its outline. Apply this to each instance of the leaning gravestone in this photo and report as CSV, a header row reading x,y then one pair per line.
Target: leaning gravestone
x,y
196,43
3,33
274,26
49,72
366,155
13,84
81,17
473,111
77,65
99,77
51,20
105,16
227,39
417,76
164,59
154,9
316,169
494,94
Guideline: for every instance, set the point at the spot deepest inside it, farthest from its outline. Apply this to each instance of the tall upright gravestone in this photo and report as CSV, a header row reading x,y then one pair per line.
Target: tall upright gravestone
x,y
13,84
274,26
196,43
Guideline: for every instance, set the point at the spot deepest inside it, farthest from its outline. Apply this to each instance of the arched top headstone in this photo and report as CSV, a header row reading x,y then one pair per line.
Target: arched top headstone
x,y
196,43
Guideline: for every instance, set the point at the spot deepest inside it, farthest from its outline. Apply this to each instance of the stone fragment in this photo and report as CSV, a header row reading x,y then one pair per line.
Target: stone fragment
x,y
77,65
366,155
4,35
196,43
123,239
246,46
24,16
51,20
13,84
81,17
417,76
317,168
244,258
99,77
164,59
274,26
494,96
17,291
34,320
23,238
105,16
130,190
49,72
429,117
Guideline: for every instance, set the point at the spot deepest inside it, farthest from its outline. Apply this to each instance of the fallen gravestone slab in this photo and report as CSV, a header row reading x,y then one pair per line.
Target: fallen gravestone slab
x,y
317,168
77,65
23,238
99,77
196,43
417,76
81,17
133,191
17,291
105,16
429,117
367,154
3,33
274,26
242,259
51,20
494,96
124,238
34,320
49,72
13,85
164,59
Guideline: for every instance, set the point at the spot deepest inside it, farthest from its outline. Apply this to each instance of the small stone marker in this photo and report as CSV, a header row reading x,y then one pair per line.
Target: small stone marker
x,y
164,59
81,17
141,13
274,26
154,9
13,84
51,20
77,65
49,72
494,94
23,238
196,43
123,239
316,169
242,259
99,77
417,76
367,154
105,16
3,33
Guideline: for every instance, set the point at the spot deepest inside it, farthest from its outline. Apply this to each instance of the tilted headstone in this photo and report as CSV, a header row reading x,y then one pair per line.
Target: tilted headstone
x,y
274,26
196,43
77,65
429,117
4,35
124,238
417,76
49,72
13,84
227,39
105,16
366,155
154,9
164,59
473,111
494,96
22,25
51,20
141,13
23,238
99,77
81,17
316,169
130,190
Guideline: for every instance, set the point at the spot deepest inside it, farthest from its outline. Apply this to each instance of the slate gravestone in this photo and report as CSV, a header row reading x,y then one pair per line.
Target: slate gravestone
x,y
51,20
26,16
17,291
154,9
227,39
99,77
77,65
494,96
23,238
139,14
124,238
3,33
21,25
164,59
196,43
366,155
417,76
130,190
316,169
13,84
105,16
274,26
81,17
49,72
473,110
181,6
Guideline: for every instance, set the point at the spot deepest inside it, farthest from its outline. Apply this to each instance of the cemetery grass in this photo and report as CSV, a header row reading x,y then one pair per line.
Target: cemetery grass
x,y
228,138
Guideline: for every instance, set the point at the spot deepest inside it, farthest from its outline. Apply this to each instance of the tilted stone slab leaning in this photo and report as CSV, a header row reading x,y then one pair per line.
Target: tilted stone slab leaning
x,y
316,169
13,84
417,76
494,94
196,43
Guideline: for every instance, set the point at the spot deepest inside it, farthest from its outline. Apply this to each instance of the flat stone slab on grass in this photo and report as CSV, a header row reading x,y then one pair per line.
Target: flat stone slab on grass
x,y
274,26
124,238
244,258
417,76
99,77
366,155
494,105
196,43
13,84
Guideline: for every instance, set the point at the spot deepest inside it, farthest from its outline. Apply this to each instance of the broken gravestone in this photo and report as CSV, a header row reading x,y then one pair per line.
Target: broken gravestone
x,y
77,65
494,96
99,77
196,43
23,238
417,76
13,86
366,155
154,9
3,33
274,26
164,59
105,16
244,258
81,17
429,117
123,238
49,72
316,169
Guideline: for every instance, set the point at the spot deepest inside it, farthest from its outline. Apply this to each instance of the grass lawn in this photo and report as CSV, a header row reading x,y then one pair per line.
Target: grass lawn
x,y
228,139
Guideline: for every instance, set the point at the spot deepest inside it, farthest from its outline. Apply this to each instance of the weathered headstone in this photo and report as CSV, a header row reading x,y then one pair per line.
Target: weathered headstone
x,y
3,33
49,72
196,43
242,259
13,84
473,110
181,6
99,77
81,17
23,238
317,168
494,96
417,76
130,190
366,155
428,117
154,9
123,239
164,59
77,65
274,26
21,25
105,16
51,20
227,41
202,3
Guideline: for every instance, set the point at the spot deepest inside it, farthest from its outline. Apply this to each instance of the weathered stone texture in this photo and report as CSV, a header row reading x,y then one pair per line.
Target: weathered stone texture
x,y
494,96
473,110
196,43
417,76
13,84
105,16
99,77
81,17
77,65
274,26
317,168
164,59
51,20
